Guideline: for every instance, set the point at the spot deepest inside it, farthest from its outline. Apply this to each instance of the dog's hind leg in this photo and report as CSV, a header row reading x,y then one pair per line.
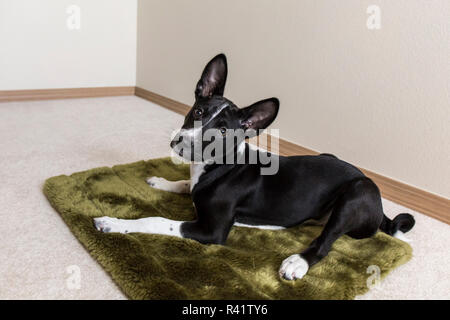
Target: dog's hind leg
x,y
357,212
181,186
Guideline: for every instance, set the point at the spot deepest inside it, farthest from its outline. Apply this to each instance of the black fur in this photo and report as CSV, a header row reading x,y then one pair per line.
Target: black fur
x,y
305,187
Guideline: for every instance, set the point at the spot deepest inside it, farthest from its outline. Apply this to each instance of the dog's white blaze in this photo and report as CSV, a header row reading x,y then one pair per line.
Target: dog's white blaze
x,y
215,114
153,225
196,131
264,227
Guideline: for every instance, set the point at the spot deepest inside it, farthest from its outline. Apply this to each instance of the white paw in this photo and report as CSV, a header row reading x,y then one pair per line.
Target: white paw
x,y
293,267
181,186
157,183
108,224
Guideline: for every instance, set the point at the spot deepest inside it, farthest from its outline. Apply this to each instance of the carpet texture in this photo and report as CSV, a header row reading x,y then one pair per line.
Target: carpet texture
x,y
161,267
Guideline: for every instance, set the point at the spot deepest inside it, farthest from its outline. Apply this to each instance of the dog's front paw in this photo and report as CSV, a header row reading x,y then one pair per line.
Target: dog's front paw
x,y
108,224
181,186
157,183
293,267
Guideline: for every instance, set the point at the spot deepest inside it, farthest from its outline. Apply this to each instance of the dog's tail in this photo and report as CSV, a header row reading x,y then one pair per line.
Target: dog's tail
x,y
403,222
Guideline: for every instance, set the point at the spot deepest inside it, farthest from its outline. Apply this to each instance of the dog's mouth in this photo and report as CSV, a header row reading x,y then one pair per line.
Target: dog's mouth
x,y
187,153
175,145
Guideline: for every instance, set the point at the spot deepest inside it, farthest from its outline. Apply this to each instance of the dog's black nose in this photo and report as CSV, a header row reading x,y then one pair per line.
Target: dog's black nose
x,y
174,142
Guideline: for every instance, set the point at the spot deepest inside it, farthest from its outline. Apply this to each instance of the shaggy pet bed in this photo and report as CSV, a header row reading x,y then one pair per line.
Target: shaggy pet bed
x,y
149,266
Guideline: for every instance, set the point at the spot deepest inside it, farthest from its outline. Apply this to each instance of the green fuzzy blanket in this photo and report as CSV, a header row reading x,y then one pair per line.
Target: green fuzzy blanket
x,y
149,266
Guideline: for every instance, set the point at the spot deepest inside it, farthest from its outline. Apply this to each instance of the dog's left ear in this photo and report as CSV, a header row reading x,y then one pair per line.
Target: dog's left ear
x,y
259,115
214,76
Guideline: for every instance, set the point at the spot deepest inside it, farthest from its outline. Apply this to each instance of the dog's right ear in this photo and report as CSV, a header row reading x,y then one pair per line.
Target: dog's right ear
x,y
213,78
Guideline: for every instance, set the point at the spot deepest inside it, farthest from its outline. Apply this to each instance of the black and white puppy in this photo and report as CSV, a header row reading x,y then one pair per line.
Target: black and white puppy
x,y
303,188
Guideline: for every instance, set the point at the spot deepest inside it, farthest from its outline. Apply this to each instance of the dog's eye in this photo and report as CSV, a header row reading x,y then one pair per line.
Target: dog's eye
x,y
223,130
198,112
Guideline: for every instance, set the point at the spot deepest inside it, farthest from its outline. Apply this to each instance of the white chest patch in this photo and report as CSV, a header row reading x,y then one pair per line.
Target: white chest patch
x,y
197,169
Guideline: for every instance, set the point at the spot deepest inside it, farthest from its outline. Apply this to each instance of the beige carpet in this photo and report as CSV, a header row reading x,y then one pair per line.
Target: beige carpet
x,y
46,138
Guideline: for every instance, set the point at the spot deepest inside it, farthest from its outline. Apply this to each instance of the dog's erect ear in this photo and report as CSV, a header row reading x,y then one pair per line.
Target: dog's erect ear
x,y
213,78
259,115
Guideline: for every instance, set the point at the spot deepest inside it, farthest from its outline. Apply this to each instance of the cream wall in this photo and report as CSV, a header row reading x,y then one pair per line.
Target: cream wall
x,y
377,98
37,49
